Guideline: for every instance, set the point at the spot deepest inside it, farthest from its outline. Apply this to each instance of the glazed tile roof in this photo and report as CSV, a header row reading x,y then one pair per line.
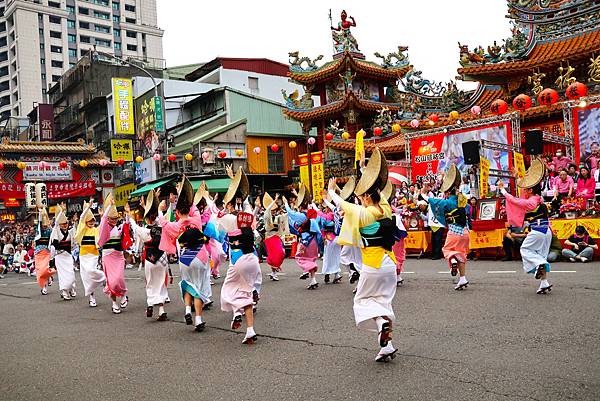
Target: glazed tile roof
x,y
394,144
7,146
92,162
333,68
349,101
545,54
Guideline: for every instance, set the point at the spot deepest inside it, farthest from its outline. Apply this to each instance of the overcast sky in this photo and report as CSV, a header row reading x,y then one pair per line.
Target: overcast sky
x,y
200,30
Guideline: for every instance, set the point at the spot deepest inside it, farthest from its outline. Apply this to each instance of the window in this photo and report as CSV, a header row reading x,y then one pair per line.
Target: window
x,y
116,18
72,52
70,23
101,2
71,65
84,25
54,34
53,4
84,11
72,38
130,20
84,39
56,49
102,42
41,46
132,48
275,160
98,14
41,31
57,64
129,7
55,78
53,19
71,9
102,29
117,33
253,84
117,46
131,34
43,76
115,6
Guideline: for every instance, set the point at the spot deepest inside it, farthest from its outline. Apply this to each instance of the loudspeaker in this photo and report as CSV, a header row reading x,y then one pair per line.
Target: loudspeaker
x,y
471,152
534,139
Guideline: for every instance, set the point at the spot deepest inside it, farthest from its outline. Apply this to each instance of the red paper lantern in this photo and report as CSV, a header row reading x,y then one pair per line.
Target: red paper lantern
x,y
120,162
329,136
522,102
576,90
172,157
434,117
1,166
377,131
63,164
548,97
274,147
499,107
222,154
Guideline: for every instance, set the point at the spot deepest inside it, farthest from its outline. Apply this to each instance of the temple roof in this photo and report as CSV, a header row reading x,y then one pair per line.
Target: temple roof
x,y
333,69
392,144
545,54
7,146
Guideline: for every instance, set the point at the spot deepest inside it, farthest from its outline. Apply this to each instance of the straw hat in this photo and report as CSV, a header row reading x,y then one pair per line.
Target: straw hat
x,y
60,216
87,213
185,197
375,172
304,195
451,179
45,219
238,188
386,193
200,193
113,213
266,200
151,204
534,175
348,189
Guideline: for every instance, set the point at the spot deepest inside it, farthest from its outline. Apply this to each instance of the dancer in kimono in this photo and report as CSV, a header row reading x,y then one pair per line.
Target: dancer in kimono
x,y
398,248
331,225
86,236
239,292
370,226
113,238
208,213
530,211
451,212
309,234
62,242
155,262
273,242
186,238
43,271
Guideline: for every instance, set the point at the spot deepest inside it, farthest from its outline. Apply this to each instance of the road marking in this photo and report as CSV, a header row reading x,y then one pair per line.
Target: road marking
x,y
564,271
408,273
31,283
501,271
444,272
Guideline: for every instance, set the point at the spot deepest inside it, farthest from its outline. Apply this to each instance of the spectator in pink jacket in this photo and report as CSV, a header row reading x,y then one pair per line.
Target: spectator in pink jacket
x,y
586,185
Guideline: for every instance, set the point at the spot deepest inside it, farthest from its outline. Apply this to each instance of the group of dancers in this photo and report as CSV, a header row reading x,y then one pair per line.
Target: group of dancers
x,y
365,236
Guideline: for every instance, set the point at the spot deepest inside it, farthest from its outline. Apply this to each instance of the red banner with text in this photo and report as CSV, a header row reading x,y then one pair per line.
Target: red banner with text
x,y
56,190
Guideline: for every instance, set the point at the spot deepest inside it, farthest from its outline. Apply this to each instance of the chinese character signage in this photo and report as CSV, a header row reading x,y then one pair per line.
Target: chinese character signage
x,y
303,162
519,164
123,103
318,176
52,190
121,194
29,194
121,149
149,118
484,176
41,194
360,145
52,171
159,114
46,121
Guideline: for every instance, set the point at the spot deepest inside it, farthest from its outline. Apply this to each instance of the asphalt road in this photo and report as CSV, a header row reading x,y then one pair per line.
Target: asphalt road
x,y
497,340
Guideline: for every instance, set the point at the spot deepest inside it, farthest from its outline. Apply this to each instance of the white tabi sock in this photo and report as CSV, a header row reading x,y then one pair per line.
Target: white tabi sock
x,y
250,332
198,320
92,298
161,310
115,305
462,280
544,283
188,310
398,277
274,274
380,321
388,349
313,281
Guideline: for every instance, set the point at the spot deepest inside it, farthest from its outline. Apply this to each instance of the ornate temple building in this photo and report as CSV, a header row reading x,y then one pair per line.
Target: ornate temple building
x,y
553,44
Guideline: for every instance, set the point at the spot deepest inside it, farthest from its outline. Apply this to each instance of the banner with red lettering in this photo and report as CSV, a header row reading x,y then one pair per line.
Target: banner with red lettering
x,y
432,154
56,190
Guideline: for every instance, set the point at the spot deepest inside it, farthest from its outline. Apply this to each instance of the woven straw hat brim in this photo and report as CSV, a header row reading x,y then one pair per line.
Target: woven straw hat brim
x,y
304,195
186,195
113,213
198,194
348,189
240,184
266,200
534,175
60,216
371,172
151,205
386,192
451,179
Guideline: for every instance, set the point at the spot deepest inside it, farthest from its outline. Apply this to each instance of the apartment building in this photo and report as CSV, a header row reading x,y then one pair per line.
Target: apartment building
x,y
41,39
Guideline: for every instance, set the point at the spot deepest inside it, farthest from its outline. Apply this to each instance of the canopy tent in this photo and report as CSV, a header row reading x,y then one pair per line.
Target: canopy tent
x,y
220,185
153,185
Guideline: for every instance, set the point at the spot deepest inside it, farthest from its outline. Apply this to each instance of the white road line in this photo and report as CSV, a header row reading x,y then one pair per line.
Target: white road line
x,y
29,283
501,271
444,272
564,271
408,273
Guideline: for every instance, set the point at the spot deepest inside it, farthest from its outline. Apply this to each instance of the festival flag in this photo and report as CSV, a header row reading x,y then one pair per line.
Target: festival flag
x,y
484,176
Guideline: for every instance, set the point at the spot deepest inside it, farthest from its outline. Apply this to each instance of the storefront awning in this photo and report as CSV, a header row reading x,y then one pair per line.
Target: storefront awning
x,y
220,185
146,188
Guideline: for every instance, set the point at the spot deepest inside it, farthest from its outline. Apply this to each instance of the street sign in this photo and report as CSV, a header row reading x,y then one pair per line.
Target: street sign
x,y
159,114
